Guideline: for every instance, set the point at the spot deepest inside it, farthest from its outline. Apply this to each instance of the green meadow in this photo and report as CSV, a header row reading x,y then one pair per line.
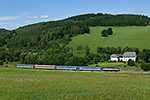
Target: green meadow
x,y
135,36
34,84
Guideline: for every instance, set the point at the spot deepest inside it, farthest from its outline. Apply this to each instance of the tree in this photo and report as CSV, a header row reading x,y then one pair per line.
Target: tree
x,y
137,59
145,66
79,48
104,33
107,32
147,57
87,50
1,62
131,62
137,50
110,32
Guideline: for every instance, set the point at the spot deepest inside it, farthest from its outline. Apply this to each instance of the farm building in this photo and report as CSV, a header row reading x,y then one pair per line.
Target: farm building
x,y
125,57
129,55
115,57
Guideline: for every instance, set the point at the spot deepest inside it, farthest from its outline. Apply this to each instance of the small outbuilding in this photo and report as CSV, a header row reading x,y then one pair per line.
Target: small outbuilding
x,y
115,57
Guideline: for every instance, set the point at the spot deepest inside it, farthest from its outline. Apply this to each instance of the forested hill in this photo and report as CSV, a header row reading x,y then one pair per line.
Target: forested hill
x,y
100,19
45,34
3,31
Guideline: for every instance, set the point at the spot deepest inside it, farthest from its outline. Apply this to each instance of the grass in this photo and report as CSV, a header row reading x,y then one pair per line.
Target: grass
x,y
123,36
120,65
10,64
33,84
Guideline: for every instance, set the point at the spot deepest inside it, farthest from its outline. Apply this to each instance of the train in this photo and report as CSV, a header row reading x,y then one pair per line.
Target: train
x,y
72,68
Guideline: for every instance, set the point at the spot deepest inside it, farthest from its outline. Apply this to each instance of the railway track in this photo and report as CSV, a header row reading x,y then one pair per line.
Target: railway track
x,y
142,72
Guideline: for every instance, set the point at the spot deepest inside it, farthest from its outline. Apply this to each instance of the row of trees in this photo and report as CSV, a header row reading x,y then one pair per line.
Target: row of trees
x,y
100,19
103,53
61,58
117,50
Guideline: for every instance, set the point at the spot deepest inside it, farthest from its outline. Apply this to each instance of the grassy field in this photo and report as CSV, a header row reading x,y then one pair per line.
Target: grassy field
x,y
33,84
120,65
123,36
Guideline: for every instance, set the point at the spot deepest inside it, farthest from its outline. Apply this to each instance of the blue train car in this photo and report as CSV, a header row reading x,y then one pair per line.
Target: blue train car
x,y
59,67
24,66
89,68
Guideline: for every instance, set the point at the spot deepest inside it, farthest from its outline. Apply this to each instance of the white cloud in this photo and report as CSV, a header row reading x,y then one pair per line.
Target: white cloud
x,y
14,17
28,21
8,26
31,17
135,11
9,18
44,16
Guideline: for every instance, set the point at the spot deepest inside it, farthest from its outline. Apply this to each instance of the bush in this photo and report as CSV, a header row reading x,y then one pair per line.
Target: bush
x,y
124,62
131,62
97,65
145,66
1,62
111,61
6,62
102,60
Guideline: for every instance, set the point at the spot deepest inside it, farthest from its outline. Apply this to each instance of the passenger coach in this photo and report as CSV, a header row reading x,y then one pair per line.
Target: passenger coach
x,y
59,67
24,66
44,66
89,68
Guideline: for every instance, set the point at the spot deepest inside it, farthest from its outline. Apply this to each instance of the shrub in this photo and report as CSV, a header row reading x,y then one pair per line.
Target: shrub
x,y
6,62
102,60
97,65
145,66
1,62
110,61
131,62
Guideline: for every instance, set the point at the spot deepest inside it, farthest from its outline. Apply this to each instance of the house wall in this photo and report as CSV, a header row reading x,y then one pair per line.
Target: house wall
x,y
114,58
127,58
124,58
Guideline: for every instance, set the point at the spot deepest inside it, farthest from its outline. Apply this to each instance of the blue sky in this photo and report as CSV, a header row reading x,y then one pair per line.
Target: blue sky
x,y
16,13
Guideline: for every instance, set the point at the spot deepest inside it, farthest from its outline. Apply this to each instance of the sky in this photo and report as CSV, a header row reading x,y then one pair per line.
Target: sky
x,y
16,13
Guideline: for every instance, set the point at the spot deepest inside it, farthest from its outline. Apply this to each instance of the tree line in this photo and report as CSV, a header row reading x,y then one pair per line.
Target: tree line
x,y
63,55
100,19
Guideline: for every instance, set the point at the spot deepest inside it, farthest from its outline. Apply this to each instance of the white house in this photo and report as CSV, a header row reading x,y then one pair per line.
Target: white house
x,y
125,57
129,55
115,57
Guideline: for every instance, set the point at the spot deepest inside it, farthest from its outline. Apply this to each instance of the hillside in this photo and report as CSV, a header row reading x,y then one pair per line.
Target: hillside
x,y
3,31
138,37
41,35
56,42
